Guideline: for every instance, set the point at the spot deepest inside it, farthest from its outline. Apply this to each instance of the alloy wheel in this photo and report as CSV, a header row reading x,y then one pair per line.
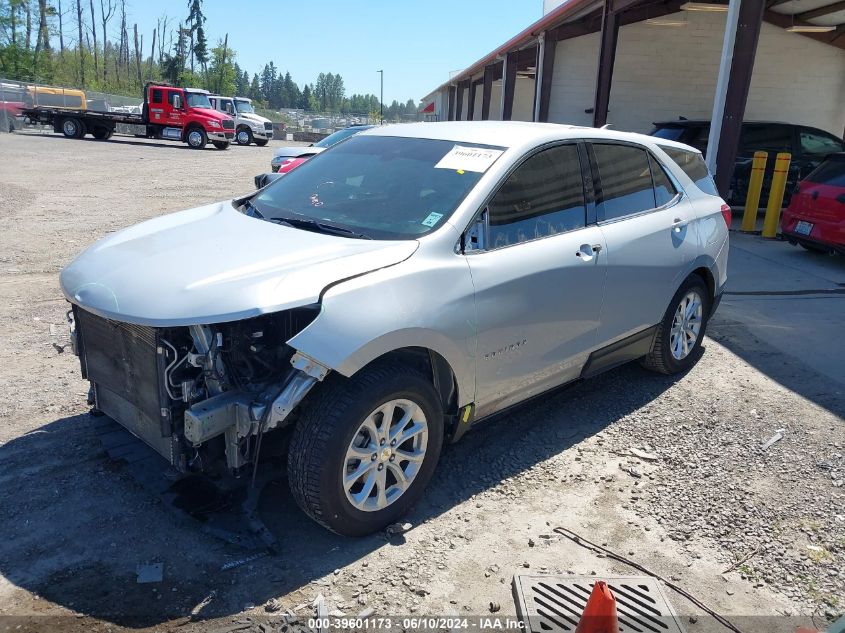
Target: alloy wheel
x,y
385,455
686,325
194,138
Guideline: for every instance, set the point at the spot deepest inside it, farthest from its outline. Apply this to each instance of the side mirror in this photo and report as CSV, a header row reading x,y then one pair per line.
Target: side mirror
x,y
177,102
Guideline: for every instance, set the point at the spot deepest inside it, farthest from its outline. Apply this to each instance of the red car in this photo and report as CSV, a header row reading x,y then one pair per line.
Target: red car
x,y
815,218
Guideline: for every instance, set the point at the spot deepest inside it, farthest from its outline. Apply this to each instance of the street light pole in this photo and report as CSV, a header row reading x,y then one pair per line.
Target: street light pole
x,y
381,99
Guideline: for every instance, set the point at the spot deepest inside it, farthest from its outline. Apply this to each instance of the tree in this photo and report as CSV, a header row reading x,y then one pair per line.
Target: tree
x,y
107,8
81,43
222,69
254,88
94,36
198,44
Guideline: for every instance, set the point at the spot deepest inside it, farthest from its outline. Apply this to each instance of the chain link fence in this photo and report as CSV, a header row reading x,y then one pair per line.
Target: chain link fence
x,y
17,95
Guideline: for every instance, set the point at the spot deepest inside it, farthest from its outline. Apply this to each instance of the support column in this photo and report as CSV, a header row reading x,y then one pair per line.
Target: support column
x,y
487,92
545,73
459,102
473,87
749,19
509,85
451,114
607,57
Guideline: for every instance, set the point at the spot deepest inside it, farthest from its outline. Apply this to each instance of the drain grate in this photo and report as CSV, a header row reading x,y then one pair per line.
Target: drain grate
x,y
554,604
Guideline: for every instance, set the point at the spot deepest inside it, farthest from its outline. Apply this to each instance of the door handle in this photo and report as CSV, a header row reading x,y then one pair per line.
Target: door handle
x,y
586,251
678,224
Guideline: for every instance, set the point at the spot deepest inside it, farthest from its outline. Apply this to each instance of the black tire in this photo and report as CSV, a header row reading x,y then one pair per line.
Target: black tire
x,y
102,133
196,138
243,136
73,127
221,144
328,425
261,142
660,358
814,248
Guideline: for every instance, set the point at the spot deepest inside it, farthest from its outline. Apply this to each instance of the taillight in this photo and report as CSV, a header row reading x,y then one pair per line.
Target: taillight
x,y
726,213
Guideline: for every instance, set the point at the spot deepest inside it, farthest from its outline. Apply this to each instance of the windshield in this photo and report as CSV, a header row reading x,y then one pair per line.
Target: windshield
x,y
338,136
383,187
244,106
197,100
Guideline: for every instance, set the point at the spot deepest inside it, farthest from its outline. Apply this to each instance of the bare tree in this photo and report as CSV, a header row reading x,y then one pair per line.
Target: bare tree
x,y
161,25
106,12
94,35
138,53
152,54
61,30
42,42
223,63
81,43
13,25
28,12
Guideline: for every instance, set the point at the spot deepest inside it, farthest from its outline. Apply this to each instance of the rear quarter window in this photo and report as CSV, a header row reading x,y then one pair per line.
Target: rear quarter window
x,y
830,172
693,165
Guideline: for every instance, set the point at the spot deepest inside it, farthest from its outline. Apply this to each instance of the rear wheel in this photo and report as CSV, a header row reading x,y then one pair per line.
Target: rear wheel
x,y
261,142
364,451
680,333
196,138
243,136
73,128
221,144
102,133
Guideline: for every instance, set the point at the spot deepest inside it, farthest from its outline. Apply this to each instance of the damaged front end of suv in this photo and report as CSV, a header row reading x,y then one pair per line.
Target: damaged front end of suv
x,y
201,395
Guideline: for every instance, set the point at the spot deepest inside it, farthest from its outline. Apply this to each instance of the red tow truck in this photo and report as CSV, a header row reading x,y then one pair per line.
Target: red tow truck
x,y
169,112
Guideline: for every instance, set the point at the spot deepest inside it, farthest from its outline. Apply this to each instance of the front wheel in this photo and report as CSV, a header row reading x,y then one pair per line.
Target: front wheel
x,y
680,333
244,136
364,450
221,144
196,138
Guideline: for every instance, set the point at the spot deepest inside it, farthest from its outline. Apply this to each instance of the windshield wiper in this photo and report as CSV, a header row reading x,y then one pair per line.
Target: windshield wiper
x,y
318,227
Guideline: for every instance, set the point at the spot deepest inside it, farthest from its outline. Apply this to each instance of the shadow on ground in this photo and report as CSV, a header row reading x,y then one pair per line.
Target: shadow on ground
x,y
77,523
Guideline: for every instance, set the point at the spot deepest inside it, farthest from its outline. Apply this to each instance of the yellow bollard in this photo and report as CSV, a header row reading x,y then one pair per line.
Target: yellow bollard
x,y
755,185
770,223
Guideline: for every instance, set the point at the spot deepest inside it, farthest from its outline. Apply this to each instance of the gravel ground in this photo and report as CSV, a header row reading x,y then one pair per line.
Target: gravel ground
x,y
667,471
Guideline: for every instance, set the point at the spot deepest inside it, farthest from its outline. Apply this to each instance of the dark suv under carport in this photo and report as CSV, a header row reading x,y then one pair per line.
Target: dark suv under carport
x,y
808,146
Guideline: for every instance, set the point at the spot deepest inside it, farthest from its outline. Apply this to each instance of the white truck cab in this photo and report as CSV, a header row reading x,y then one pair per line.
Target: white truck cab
x,y
249,126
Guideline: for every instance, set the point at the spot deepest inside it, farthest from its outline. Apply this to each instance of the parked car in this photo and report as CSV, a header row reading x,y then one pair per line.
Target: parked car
x,y
808,146
815,218
403,286
289,157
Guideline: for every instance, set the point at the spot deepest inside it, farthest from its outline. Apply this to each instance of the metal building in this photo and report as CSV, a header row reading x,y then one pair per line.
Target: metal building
x,y
632,62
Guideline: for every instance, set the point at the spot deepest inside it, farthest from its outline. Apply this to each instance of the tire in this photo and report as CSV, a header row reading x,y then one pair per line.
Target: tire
x,y
221,144
244,136
813,248
319,453
196,138
102,133
663,358
73,128
261,142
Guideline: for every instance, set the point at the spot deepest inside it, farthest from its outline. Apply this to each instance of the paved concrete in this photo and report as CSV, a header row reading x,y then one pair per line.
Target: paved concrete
x,y
791,302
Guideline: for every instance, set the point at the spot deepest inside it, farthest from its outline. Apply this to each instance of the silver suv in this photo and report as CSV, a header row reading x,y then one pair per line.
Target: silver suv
x,y
391,293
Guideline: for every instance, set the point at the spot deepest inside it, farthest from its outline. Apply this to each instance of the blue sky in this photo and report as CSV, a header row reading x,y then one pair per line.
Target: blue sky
x,y
416,43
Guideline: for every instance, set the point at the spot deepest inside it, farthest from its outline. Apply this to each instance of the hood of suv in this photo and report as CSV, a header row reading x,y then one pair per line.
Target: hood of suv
x,y
214,264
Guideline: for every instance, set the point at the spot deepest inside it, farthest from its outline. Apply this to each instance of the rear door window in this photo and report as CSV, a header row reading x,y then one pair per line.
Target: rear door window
x,y
625,184
664,190
693,165
819,144
830,172
543,196
766,138
157,96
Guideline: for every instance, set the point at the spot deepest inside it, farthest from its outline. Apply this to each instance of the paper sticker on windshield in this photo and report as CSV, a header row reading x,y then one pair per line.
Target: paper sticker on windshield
x,y
432,219
463,158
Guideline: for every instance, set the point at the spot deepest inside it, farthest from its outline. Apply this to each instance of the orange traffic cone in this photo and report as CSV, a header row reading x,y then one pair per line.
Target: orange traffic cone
x,y
600,613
